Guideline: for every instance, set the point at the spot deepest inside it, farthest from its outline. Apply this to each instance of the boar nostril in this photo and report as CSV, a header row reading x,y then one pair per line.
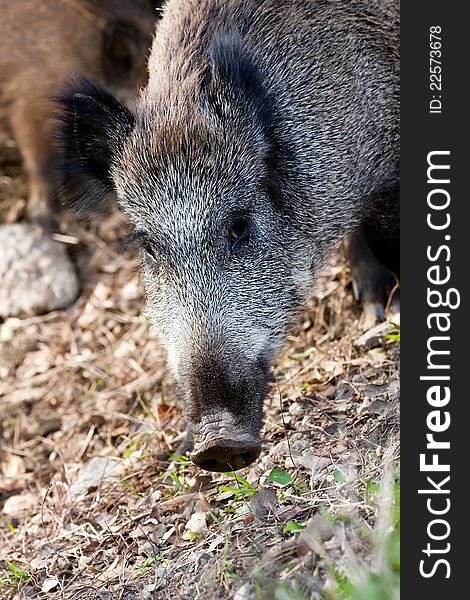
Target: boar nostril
x,y
224,457
209,464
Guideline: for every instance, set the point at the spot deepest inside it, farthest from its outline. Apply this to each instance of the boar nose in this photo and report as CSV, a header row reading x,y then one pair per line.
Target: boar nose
x,y
226,455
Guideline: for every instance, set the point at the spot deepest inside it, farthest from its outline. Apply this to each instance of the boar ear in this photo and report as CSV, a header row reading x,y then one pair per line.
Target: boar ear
x,y
92,126
234,74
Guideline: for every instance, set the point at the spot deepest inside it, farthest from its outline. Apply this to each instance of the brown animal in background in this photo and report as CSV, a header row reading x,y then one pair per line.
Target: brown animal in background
x,y
41,43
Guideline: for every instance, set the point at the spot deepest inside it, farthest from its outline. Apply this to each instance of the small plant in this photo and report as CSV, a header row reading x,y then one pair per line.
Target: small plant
x,y
339,476
382,580
293,527
129,489
147,411
182,460
303,355
144,319
242,490
151,560
393,336
131,448
177,476
280,477
224,567
18,573
177,480
7,333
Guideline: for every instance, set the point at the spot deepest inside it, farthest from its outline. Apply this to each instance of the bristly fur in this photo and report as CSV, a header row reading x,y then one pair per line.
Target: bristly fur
x,y
235,73
236,79
92,127
42,42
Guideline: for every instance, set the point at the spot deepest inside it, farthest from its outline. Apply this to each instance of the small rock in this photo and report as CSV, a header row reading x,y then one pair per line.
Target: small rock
x,y
348,470
246,592
16,505
313,463
49,584
343,392
158,533
94,473
294,447
45,426
379,407
373,337
298,408
147,549
196,526
202,558
36,275
312,538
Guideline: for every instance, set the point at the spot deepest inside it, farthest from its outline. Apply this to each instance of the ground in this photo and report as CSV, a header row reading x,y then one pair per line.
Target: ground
x,y
98,499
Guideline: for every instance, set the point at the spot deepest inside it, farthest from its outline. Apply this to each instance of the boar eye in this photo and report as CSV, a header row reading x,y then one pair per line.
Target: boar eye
x,y
238,233
149,250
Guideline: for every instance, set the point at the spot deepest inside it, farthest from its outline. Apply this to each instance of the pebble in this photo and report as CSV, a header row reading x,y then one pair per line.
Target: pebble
x,y
36,275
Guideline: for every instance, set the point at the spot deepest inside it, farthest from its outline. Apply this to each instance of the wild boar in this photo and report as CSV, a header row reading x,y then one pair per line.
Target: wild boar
x,y
267,133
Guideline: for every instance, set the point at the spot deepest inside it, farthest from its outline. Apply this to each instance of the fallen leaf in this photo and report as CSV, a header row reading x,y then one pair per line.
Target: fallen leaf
x,y
196,526
49,584
264,503
279,476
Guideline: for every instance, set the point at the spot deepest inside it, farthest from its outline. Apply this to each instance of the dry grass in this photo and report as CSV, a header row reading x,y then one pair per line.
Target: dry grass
x,y
81,386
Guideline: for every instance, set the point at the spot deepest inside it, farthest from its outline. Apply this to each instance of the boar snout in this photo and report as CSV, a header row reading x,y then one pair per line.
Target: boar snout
x,y
223,445
222,394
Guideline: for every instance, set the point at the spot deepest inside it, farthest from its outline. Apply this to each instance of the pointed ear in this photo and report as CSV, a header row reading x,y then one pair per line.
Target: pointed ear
x,y
92,127
235,77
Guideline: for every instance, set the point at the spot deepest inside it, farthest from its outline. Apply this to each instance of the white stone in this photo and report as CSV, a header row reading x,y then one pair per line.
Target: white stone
x,y
36,275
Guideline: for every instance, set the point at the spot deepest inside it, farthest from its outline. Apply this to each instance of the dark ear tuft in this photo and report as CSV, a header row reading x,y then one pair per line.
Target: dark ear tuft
x,y
235,74
231,65
92,126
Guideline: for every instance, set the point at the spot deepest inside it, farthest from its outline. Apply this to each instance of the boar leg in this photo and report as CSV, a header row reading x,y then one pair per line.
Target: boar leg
x,y
31,129
373,283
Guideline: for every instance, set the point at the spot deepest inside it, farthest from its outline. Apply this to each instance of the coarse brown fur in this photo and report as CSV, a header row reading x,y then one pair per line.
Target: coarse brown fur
x,y
41,44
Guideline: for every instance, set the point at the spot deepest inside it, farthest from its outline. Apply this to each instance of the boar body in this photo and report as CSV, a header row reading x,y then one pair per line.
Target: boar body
x,y
41,43
268,132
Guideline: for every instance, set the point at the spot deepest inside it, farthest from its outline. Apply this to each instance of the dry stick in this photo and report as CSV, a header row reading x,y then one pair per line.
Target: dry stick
x,y
42,513
174,502
283,421
147,537
391,295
